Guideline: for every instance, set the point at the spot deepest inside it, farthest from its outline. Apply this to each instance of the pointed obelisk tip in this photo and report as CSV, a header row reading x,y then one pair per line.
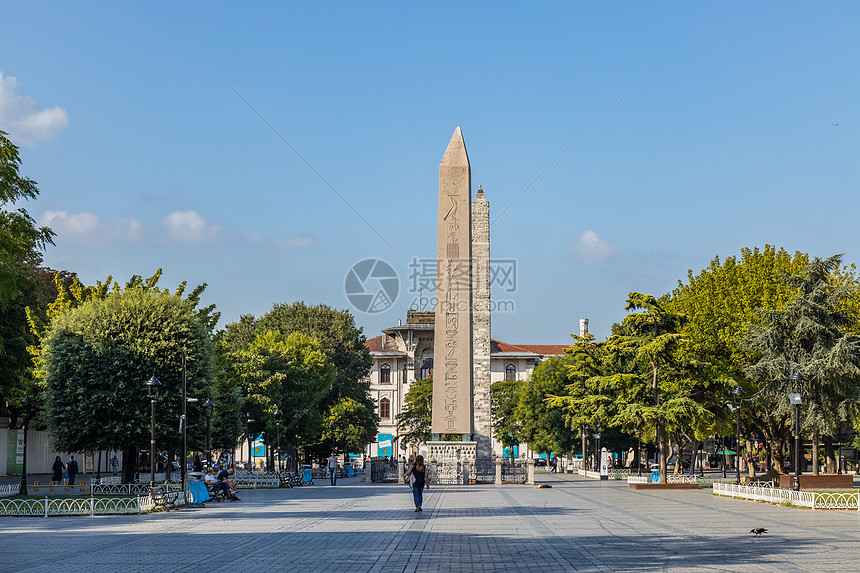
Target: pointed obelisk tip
x,y
456,154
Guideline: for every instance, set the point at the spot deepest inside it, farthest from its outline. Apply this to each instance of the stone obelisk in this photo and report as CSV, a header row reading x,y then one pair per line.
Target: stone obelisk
x,y
452,355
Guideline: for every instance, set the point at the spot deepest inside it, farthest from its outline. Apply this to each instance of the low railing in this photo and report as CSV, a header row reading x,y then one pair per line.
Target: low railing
x,y
70,506
638,479
9,489
787,496
702,481
588,473
120,489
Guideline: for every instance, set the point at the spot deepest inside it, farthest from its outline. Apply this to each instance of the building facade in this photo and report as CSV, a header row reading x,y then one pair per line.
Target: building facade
x,y
403,354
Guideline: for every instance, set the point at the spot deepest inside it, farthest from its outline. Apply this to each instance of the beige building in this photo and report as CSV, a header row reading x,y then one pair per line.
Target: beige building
x,y
404,353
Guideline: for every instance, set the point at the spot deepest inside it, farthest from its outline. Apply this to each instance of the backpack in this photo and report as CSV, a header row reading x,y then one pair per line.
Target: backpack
x,y
73,466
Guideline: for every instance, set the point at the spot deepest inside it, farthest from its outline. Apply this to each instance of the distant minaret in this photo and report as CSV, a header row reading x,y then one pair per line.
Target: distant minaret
x,y
481,323
583,326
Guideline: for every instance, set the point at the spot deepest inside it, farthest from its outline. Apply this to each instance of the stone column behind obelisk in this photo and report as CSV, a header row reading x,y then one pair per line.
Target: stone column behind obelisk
x,y
452,353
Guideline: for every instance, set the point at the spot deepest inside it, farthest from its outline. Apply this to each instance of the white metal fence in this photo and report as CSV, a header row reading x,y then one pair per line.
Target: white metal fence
x,y
810,499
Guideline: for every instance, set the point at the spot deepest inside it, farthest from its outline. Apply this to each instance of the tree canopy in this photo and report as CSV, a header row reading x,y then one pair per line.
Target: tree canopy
x,y
96,358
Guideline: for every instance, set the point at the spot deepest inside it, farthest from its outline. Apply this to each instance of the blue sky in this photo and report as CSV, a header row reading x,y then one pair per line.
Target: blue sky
x,y
740,129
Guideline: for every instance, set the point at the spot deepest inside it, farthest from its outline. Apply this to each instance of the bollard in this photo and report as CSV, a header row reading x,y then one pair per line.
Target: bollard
x,y
400,478
499,463
530,480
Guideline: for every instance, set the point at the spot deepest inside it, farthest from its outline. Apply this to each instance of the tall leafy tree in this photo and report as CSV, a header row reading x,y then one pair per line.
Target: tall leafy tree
x,y
504,400
722,303
287,373
21,243
340,340
543,424
811,335
647,342
414,420
350,426
96,358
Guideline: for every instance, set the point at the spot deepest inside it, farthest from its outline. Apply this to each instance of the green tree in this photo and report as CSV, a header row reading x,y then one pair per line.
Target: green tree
x,y
722,303
340,340
350,426
21,285
645,346
21,239
414,420
96,358
543,424
504,400
286,372
811,335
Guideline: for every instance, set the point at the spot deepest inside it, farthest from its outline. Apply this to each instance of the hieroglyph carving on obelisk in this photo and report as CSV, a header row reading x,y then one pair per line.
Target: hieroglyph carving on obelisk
x,y
452,355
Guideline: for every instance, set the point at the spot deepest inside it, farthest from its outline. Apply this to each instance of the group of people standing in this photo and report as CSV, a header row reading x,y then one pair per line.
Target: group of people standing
x,y
62,470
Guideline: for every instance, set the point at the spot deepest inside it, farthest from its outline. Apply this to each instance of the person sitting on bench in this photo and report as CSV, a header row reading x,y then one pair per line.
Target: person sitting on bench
x,y
225,485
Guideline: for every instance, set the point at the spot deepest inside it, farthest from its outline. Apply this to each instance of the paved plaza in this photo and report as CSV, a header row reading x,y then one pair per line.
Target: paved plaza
x,y
578,525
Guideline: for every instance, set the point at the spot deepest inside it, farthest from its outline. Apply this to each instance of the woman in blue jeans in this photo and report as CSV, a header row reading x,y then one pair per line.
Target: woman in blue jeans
x,y
419,471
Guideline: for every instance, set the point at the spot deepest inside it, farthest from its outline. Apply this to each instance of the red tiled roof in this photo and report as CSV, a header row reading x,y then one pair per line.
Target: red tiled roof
x,y
542,349
374,344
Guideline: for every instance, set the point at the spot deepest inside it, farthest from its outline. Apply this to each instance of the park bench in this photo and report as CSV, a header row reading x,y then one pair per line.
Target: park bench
x,y
217,494
163,496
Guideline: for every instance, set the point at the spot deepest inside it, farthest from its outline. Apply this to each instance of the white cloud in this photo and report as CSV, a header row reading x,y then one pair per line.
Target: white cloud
x,y
88,228
23,118
592,249
299,242
190,226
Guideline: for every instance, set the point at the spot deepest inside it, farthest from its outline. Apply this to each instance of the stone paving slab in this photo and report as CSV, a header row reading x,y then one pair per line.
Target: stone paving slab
x,y
578,525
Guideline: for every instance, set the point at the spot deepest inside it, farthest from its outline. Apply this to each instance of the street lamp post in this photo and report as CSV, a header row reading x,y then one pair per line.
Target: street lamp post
x,y
248,421
585,464
597,460
208,406
296,418
795,398
738,400
25,415
278,415
152,386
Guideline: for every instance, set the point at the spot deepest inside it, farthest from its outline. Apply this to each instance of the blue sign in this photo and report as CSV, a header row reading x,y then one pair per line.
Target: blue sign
x,y
383,444
507,452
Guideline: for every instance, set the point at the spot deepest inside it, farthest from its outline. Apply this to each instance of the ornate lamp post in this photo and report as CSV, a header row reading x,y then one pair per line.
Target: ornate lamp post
x,y
597,460
25,415
738,400
248,421
278,415
208,406
795,398
152,386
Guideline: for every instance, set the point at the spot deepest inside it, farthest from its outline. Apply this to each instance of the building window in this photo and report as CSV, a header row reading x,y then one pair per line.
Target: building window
x,y
510,372
385,408
385,374
426,368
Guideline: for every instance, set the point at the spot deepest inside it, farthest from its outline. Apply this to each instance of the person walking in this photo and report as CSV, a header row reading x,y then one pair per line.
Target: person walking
x,y
419,472
332,468
114,463
72,468
58,468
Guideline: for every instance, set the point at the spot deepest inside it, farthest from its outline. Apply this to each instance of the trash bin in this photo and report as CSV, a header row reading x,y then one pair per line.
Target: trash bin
x,y
655,476
197,487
